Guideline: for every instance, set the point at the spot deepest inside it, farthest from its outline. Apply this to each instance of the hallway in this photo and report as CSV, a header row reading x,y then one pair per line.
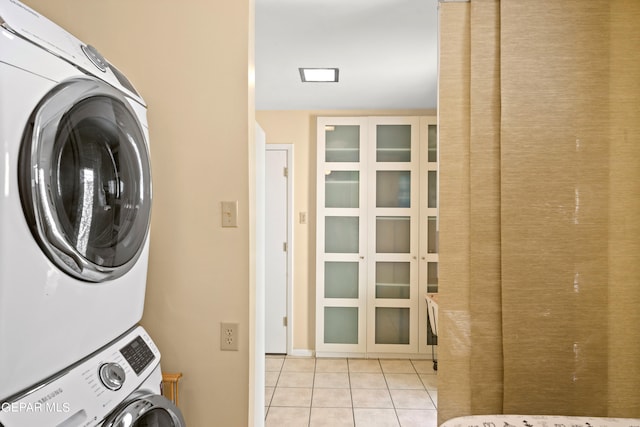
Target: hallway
x,y
350,392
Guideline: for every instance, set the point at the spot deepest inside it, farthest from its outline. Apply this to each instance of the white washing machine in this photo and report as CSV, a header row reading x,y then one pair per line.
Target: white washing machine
x,y
117,386
75,199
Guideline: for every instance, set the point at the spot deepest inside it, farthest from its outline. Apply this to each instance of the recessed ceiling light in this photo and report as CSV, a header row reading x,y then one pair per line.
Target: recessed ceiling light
x,y
319,74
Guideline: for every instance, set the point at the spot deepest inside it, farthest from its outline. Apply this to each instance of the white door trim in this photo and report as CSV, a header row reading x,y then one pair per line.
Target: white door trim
x,y
290,249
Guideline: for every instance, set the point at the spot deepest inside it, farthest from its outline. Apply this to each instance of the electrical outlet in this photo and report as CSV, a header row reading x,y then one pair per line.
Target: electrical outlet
x,y
229,336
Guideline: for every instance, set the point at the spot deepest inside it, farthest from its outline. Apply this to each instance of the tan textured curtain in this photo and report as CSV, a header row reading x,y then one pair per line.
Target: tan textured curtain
x,y
539,120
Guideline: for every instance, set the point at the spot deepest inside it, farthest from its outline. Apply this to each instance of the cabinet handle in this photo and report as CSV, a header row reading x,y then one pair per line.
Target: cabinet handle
x,y
361,257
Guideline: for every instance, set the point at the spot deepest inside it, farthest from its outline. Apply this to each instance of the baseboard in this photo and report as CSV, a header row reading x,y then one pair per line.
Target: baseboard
x,y
302,352
415,356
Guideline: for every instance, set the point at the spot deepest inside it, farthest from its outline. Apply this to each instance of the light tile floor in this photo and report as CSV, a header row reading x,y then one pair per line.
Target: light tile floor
x,y
350,392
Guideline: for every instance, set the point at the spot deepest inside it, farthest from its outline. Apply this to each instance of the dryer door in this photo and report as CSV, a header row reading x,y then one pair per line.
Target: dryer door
x,y
149,410
85,180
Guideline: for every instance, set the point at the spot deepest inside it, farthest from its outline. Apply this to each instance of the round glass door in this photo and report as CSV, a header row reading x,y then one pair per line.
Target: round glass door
x,y
155,418
147,410
85,180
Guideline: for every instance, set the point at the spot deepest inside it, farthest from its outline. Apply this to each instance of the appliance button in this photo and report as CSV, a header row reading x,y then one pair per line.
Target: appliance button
x,y
112,376
95,57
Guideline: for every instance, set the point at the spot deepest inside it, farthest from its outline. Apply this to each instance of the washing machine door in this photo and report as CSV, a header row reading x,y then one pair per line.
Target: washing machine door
x,y
147,410
85,180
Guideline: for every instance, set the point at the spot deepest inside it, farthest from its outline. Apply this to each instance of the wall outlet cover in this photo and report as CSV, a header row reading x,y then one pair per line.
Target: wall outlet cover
x,y
228,336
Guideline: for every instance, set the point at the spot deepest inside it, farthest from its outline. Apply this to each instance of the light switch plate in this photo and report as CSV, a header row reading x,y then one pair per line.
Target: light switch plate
x,y
230,214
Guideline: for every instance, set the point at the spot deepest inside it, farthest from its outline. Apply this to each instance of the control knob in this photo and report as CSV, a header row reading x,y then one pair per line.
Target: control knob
x,y
112,376
95,57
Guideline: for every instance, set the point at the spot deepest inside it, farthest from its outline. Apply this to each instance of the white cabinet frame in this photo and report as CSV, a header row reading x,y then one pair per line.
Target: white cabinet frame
x,y
417,257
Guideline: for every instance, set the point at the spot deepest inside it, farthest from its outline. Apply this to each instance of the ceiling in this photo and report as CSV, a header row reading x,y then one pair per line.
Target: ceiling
x,y
386,51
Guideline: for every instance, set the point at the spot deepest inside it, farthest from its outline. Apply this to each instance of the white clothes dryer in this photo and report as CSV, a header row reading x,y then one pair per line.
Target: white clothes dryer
x,y
117,386
75,199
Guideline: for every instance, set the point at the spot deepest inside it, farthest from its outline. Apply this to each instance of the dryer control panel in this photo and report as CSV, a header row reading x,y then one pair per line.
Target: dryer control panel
x,y
138,354
85,393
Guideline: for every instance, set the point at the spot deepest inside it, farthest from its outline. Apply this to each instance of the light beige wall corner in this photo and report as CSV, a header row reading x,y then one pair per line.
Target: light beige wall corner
x,y
190,62
298,127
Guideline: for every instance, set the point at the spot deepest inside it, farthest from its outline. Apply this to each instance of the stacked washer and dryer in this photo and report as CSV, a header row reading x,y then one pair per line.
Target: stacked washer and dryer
x,y
75,205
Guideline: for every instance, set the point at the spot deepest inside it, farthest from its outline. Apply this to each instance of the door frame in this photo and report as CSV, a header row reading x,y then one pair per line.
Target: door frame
x,y
290,245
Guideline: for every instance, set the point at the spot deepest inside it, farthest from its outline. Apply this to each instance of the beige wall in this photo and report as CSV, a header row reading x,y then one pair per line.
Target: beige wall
x,y
190,62
299,128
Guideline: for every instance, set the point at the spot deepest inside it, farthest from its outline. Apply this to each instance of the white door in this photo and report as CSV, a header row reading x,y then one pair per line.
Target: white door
x,y
341,242
276,247
393,297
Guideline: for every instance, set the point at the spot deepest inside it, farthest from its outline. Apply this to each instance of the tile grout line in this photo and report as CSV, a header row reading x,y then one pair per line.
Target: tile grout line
x,y
353,412
384,375
274,390
422,382
313,388
425,386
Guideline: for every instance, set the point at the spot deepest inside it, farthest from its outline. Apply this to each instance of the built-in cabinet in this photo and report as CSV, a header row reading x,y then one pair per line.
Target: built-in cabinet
x,y
376,234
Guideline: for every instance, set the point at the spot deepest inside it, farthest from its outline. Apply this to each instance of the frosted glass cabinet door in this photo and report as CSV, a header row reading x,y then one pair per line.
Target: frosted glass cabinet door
x,y
432,142
393,189
393,234
432,231
370,197
393,218
432,192
393,280
342,189
341,325
341,279
393,143
342,234
428,258
393,325
342,143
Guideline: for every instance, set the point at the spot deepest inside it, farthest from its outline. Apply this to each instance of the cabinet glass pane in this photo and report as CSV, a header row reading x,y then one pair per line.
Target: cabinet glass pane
x,y
432,191
392,280
341,325
342,143
342,189
341,234
393,234
432,277
432,235
341,279
433,143
393,143
392,325
393,189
